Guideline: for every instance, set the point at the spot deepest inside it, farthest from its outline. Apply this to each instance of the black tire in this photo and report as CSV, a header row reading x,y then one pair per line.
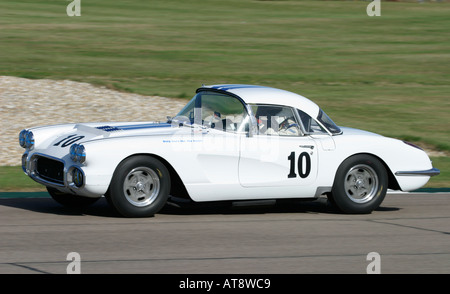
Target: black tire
x,y
70,200
360,184
140,187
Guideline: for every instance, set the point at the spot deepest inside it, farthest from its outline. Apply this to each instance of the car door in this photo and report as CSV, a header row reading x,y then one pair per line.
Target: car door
x,y
211,150
278,154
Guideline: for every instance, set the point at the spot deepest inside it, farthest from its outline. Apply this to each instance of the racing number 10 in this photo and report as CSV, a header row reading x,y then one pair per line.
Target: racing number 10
x,y
302,172
69,140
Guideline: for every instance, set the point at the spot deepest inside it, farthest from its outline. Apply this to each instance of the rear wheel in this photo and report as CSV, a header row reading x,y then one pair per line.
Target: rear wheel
x,y
70,200
140,187
360,184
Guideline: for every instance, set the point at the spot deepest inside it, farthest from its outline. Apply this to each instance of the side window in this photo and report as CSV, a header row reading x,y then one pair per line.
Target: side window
x,y
276,120
309,124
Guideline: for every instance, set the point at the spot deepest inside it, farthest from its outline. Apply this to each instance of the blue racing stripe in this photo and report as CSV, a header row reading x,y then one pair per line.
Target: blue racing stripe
x,y
144,126
237,86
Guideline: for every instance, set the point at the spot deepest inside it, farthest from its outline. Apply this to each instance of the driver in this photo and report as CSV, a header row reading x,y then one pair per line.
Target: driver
x,y
277,121
288,127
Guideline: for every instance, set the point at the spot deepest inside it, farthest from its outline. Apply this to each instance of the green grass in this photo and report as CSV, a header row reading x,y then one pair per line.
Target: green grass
x,y
441,181
13,179
387,74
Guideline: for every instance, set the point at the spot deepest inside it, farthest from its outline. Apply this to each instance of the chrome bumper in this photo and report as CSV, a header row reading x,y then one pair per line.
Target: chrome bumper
x,y
429,173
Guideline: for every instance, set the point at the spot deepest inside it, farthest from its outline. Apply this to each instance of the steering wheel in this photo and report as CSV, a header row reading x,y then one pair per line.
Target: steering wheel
x,y
284,125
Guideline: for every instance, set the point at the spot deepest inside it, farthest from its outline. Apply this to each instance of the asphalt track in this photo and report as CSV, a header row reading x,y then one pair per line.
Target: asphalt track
x,y
410,232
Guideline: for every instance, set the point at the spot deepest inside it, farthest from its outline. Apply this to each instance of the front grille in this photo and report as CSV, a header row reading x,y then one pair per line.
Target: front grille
x,y
50,170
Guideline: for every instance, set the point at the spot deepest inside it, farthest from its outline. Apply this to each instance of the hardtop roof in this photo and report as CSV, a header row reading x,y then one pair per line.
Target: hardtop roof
x,y
255,94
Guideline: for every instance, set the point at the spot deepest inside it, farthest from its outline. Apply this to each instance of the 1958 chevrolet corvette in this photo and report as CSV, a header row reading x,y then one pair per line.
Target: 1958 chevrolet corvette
x,y
230,142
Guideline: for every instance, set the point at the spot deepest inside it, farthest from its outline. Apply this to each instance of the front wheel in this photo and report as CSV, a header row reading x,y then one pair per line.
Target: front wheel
x,y
140,187
360,184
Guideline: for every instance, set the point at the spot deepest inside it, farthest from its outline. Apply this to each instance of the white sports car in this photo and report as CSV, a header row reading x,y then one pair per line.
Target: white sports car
x,y
230,142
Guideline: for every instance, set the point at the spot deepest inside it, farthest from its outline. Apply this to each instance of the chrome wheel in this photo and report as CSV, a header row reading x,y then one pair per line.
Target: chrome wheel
x,y
361,183
141,186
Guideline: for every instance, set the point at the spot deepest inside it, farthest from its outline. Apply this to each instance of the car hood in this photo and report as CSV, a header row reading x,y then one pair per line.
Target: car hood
x,y
356,132
124,129
56,140
97,131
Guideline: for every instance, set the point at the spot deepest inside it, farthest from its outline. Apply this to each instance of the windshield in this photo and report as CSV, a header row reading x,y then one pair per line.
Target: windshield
x,y
312,126
214,110
328,123
186,115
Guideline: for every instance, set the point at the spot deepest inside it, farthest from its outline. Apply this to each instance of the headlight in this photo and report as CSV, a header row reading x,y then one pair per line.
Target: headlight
x,y
81,153
26,139
72,152
22,136
77,177
77,153
29,140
